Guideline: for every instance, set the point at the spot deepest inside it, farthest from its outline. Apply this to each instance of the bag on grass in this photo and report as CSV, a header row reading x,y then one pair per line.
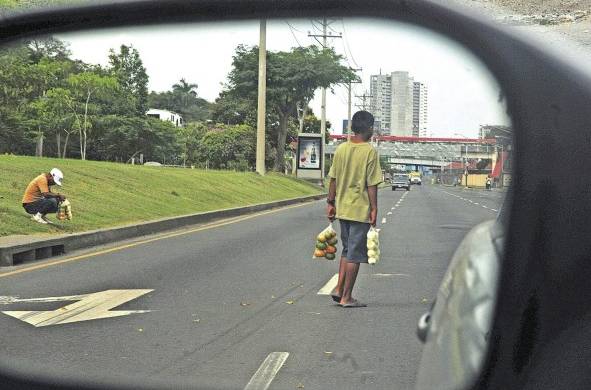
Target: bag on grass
x,y
326,244
373,246
64,211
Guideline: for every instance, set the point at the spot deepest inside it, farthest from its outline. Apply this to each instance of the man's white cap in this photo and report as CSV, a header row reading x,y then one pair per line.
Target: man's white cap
x,y
57,175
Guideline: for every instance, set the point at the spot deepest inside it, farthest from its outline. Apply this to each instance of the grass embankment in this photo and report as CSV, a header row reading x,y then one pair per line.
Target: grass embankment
x,y
108,194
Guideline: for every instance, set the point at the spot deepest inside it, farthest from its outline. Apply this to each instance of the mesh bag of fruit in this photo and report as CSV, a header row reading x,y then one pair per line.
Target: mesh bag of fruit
x,y
373,246
326,244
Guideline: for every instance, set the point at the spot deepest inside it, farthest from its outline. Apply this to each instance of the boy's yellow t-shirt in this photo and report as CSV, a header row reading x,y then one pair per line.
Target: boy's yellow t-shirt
x,y
355,166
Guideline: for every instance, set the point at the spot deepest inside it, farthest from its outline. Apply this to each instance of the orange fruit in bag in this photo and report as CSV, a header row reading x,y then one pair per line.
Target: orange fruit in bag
x,y
330,249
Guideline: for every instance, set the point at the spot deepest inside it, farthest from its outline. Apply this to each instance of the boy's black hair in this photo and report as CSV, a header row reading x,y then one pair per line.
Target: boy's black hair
x,y
362,121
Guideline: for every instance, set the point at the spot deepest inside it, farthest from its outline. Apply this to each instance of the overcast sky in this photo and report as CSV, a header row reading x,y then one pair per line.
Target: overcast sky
x,y
462,94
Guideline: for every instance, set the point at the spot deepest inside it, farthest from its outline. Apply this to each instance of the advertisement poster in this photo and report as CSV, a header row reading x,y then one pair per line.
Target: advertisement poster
x,y
309,153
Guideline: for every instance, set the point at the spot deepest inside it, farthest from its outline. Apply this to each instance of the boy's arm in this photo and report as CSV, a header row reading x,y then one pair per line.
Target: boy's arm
x,y
372,191
331,209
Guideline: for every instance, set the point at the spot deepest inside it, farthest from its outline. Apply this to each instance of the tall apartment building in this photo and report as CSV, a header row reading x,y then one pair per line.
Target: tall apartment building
x,y
380,87
393,104
419,110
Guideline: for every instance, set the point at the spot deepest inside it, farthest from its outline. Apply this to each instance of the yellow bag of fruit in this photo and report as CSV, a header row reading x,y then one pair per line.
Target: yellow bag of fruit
x,y
373,246
326,244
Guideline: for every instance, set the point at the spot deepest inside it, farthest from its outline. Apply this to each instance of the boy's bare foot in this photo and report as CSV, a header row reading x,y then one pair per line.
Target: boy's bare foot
x,y
353,303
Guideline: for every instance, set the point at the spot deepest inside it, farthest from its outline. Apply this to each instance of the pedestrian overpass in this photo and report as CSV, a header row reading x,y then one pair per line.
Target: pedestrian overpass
x,y
429,152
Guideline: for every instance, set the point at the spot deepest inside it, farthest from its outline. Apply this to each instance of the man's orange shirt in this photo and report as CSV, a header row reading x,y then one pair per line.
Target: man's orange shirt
x,y
36,187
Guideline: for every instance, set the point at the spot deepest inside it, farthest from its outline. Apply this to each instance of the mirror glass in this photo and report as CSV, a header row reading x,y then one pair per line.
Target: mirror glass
x,y
161,121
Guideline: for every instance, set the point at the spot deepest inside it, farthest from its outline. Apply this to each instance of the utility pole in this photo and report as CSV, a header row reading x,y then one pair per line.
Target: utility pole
x,y
363,98
325,23
349,102
261,110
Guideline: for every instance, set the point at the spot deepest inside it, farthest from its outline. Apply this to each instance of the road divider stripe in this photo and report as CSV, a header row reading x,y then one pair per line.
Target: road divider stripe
x,y
329,286
261,380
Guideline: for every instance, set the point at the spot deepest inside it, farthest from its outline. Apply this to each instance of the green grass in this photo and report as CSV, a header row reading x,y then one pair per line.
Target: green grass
x,y
109,194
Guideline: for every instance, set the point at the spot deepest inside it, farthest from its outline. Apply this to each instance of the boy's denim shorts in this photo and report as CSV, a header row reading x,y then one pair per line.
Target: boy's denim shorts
x,y
354,240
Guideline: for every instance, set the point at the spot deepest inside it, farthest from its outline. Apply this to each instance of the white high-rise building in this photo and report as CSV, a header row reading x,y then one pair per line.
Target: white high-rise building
x,y
419,114
399,104
380,87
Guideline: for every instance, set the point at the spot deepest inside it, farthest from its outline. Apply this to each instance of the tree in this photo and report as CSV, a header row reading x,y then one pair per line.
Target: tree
x,y
292,79
128,68
48,47
182,99
56,110
312,124
229,146
85,86
125,137
189,139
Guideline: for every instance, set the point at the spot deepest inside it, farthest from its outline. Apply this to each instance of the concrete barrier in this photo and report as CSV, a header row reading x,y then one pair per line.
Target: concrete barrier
x,y
28,248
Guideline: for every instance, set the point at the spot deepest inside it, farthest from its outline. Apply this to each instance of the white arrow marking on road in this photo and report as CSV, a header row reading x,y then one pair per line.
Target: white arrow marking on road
x,y
261,380
329,286
89,307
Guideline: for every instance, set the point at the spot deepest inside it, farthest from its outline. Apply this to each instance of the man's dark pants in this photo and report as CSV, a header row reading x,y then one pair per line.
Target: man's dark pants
x,y
43,206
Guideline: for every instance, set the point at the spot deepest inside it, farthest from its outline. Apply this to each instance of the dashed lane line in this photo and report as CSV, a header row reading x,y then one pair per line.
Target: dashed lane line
x,y
329,286
470,201
261,380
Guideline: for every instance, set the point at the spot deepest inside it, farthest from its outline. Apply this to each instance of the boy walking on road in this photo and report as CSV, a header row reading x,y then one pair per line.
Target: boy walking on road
x,y
353,199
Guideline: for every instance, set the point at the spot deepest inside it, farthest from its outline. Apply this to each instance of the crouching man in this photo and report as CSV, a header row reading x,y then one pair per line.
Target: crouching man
x,y
39,200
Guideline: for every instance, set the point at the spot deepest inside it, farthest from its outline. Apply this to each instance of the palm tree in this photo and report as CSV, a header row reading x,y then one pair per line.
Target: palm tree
x,y
185,90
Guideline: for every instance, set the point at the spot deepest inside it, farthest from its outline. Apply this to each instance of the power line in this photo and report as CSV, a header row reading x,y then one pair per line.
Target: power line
x,y
347,43
292,33
300,31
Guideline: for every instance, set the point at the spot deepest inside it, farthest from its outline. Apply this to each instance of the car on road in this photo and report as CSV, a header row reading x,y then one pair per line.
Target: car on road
x,y
415,178
400,180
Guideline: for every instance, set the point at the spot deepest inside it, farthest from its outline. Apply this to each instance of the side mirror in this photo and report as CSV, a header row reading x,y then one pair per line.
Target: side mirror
x,y
423,326
455,331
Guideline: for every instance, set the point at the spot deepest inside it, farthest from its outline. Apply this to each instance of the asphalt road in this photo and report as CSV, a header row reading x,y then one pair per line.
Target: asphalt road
x,y
225,297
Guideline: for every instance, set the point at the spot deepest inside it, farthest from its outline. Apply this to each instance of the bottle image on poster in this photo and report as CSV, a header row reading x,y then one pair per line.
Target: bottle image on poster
x,y
308,154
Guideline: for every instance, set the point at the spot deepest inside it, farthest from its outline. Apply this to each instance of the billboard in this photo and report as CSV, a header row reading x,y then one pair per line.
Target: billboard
x,y
309,152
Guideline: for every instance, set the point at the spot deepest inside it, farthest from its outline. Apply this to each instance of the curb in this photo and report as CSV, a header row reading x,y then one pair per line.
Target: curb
x,y
38,248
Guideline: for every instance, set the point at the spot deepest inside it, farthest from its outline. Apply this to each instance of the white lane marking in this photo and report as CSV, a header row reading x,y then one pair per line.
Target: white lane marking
x,y
90,307
494,210
383,275
7,300
484,207
476,203
329,286
261,380
393,208
389,213
384,220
